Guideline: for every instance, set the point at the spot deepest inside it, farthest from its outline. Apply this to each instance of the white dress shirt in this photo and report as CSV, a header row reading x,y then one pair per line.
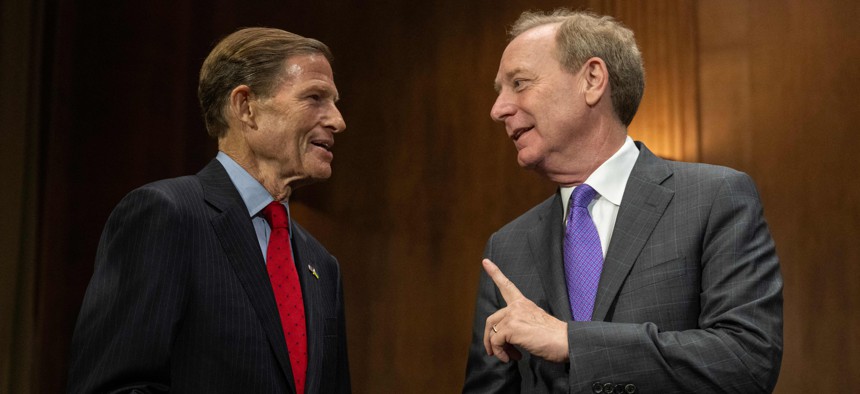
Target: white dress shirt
x,y
609,181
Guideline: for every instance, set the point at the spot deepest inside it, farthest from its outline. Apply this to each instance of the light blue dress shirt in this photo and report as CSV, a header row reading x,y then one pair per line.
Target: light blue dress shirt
x,y
255,196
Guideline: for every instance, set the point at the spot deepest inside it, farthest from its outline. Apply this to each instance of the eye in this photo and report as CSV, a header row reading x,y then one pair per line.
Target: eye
x,y
315,97
518,83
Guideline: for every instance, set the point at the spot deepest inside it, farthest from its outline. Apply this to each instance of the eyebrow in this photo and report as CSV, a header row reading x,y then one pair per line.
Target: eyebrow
x,y
508,76
323,87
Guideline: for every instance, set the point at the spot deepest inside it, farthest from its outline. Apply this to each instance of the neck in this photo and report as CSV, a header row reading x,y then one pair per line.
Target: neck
x,y
581,160
263,171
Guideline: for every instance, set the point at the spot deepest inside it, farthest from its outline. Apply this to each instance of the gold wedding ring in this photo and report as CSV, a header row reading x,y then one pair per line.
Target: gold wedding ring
x,y
495,329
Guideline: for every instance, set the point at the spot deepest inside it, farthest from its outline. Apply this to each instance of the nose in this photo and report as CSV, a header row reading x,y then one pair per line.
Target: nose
x,y
334,121
502,108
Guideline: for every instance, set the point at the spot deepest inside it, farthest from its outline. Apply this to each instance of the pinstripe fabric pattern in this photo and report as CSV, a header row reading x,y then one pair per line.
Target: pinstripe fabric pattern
x,y
180,300
689,301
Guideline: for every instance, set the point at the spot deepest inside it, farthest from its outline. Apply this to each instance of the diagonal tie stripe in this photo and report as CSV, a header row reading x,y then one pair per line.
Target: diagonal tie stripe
x,y
288,291
583,255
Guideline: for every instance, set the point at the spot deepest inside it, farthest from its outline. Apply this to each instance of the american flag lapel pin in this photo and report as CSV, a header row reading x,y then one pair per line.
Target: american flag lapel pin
x,y
313,271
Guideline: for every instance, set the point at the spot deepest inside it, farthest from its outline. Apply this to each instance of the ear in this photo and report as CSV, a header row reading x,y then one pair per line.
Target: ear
x,y
596,78
240,105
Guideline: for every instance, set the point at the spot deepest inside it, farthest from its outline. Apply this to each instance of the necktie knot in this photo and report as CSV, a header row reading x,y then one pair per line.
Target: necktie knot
x,y
582,195
276,215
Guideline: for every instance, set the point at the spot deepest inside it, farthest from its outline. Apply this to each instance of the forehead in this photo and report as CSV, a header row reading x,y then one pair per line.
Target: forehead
x,y
542,36
304,67
528,51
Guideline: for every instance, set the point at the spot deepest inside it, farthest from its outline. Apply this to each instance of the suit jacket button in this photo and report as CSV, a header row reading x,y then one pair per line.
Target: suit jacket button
x,y
619,388
597,388
630,388
608,388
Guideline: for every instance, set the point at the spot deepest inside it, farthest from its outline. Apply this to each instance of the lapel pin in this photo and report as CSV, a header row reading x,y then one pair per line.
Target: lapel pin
x,y
313,271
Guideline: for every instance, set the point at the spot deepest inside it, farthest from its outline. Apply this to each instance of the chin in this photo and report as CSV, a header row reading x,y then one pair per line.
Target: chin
x,y
316,169
528,161
535,164
320,173
321,177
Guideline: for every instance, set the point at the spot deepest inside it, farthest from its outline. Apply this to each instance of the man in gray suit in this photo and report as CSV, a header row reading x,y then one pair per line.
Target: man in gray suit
x,y
662,278
202,284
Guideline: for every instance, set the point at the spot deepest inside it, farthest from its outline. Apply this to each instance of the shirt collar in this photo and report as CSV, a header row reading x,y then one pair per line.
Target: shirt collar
x,y
610,179
255,196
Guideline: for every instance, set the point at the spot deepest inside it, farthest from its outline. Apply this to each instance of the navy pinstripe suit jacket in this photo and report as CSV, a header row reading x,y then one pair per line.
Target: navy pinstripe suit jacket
x,y
180,300
689,300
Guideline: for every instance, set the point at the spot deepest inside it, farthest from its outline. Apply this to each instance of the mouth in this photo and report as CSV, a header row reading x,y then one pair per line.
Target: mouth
x,y
520,131
324,144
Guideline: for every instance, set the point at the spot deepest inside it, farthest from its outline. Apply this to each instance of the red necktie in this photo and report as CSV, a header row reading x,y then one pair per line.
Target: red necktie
x,y
288,292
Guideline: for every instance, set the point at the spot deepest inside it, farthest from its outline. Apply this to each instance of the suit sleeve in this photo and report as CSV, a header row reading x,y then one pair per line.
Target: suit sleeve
x,y
737,346
127,323
486,374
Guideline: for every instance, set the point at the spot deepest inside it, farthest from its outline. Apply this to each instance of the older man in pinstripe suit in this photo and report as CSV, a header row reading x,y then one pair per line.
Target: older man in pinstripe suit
x,y
201,283
663,278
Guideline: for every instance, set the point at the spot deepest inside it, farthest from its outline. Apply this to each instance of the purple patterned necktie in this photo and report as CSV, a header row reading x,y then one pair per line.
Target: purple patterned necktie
x,y
583,256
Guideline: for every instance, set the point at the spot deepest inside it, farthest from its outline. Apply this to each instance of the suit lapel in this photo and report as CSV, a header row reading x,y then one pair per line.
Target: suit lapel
x,y
642,206
307,256
234,229
545,245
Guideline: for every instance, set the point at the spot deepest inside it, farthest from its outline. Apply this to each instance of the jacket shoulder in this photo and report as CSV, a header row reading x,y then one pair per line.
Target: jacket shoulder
x,y
533,216
709,178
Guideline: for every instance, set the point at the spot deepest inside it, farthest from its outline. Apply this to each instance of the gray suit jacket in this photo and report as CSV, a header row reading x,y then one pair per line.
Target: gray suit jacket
x,y
180,300
690,298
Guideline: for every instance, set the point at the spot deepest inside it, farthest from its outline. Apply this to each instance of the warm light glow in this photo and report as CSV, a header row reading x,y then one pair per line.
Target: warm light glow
x,y
667,118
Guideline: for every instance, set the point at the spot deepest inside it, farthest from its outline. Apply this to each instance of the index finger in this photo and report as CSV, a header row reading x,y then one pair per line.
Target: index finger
x,y
509,291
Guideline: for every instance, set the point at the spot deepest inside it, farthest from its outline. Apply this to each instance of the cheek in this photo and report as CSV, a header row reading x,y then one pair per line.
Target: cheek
x,y
284,133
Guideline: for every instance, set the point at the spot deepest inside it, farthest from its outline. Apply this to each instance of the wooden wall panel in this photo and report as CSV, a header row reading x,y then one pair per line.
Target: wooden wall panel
x,y
422,176
21,29
667,120
778,100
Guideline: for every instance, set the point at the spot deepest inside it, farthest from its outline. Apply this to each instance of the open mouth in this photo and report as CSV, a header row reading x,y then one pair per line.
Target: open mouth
x,y
520,131
323,144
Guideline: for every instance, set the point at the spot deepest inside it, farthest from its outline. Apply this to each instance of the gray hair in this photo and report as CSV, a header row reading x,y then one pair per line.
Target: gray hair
x,y
583,35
